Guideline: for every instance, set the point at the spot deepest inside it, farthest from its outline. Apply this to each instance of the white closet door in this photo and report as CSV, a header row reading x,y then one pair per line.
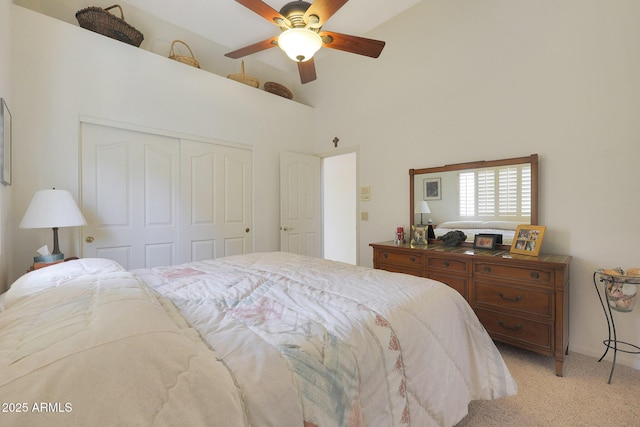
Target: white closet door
x,y
217,192
130,196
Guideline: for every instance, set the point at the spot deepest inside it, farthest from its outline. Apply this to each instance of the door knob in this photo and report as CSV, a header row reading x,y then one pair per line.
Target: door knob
x,y
246,230
89,239
285,228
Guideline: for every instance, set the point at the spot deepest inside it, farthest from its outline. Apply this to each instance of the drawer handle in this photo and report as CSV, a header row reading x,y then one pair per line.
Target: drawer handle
x,y
535,275
446,263
514,328
385,255
516,299
487,269
413,259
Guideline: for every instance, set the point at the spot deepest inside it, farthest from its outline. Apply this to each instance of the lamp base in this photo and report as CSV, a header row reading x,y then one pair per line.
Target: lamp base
x,y
56,248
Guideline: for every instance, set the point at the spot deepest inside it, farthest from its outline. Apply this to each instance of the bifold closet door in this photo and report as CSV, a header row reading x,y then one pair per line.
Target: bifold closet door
x,y
130,196
217,192
155,200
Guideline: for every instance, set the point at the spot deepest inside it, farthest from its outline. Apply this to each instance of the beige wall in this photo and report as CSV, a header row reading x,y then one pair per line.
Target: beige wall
x,y
464,80
63,73
5,92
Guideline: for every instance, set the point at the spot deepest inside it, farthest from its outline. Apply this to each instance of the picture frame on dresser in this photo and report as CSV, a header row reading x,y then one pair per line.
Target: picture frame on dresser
x,y
528,239
485,241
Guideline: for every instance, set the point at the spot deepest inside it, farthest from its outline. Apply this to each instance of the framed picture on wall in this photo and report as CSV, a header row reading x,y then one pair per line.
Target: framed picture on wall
x,y
528,239
432,189
5,143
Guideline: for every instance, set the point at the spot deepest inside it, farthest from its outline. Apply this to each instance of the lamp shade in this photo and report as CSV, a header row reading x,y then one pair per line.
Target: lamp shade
x,y
52,208
422,207
300,44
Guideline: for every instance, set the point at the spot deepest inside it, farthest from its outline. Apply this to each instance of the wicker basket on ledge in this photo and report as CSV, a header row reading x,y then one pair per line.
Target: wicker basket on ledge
x,y
278,89
189,60
243,78
102,22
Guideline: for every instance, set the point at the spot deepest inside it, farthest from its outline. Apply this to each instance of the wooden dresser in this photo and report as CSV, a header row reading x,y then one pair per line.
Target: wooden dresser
x,y
520,300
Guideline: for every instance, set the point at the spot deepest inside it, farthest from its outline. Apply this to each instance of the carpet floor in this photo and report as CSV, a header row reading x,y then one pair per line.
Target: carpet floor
x,y
581,398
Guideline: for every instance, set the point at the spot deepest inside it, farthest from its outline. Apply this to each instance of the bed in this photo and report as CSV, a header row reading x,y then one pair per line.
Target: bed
x,y
263,339
473,228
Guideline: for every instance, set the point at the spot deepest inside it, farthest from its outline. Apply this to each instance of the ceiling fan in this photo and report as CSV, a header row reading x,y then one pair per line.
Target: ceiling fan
x,y
302,35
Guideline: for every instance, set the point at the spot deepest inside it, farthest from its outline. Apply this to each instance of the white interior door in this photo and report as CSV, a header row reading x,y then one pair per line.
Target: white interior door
x,y
130,195
300,207
217,200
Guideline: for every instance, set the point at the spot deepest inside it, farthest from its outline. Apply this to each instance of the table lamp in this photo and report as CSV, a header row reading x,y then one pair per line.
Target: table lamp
x,y
422,208
52,209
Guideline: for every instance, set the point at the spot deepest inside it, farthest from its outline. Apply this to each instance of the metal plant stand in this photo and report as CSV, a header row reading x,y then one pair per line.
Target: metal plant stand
x,y
618,302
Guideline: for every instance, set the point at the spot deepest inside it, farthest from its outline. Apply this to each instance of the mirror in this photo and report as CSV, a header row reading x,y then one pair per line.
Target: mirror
x,y
497,195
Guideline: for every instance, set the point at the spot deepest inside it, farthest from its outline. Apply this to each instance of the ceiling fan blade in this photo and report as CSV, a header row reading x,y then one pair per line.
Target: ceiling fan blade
x,y
307,71
256,47
320,11
352,44
266,11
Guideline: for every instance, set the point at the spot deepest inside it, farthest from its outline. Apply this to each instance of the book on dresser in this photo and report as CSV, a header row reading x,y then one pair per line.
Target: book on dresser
x,y
520,300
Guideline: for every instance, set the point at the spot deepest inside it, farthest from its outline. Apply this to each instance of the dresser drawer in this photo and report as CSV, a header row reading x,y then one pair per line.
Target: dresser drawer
x,y
400,259
448,264
399,269
537,302
510,328
460,284
529,274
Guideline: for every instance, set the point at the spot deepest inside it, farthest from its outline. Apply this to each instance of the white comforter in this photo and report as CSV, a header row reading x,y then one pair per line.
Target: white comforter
x,y
289,341
85,343
317,343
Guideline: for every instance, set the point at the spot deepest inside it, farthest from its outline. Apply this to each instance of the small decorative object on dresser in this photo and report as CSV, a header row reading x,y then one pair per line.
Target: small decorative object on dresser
x,y
528,239
520,300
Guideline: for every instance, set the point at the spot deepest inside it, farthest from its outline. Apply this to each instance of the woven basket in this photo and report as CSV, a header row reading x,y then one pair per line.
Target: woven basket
x,y
278,89
243,78
102,22
189,60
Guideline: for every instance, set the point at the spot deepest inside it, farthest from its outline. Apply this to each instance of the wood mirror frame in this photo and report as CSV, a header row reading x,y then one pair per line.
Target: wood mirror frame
x,y
532,159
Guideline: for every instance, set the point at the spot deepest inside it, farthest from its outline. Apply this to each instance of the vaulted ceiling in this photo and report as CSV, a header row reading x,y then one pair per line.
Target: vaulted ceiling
x,y
232,25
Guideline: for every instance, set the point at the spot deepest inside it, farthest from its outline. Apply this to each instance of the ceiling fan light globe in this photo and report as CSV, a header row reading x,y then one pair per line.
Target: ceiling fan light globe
x,y
300,44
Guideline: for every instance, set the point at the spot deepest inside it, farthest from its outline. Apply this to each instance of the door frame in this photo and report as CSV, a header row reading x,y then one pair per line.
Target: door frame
x,y
339,152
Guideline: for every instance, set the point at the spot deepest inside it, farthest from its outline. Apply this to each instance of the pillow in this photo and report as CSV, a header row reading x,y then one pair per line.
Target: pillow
x,y
57,275
459,225
502,225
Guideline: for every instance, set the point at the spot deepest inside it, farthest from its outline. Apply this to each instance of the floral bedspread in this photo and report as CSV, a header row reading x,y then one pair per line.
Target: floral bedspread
x,y
311,342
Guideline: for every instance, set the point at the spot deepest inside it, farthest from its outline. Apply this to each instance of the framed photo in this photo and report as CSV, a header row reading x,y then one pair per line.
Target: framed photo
x,y
528,239
419,235
484,242
5,142
432,189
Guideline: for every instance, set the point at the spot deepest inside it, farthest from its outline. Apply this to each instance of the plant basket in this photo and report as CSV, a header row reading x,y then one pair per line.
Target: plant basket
x,y
278,89
189,60
243,78
102,22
